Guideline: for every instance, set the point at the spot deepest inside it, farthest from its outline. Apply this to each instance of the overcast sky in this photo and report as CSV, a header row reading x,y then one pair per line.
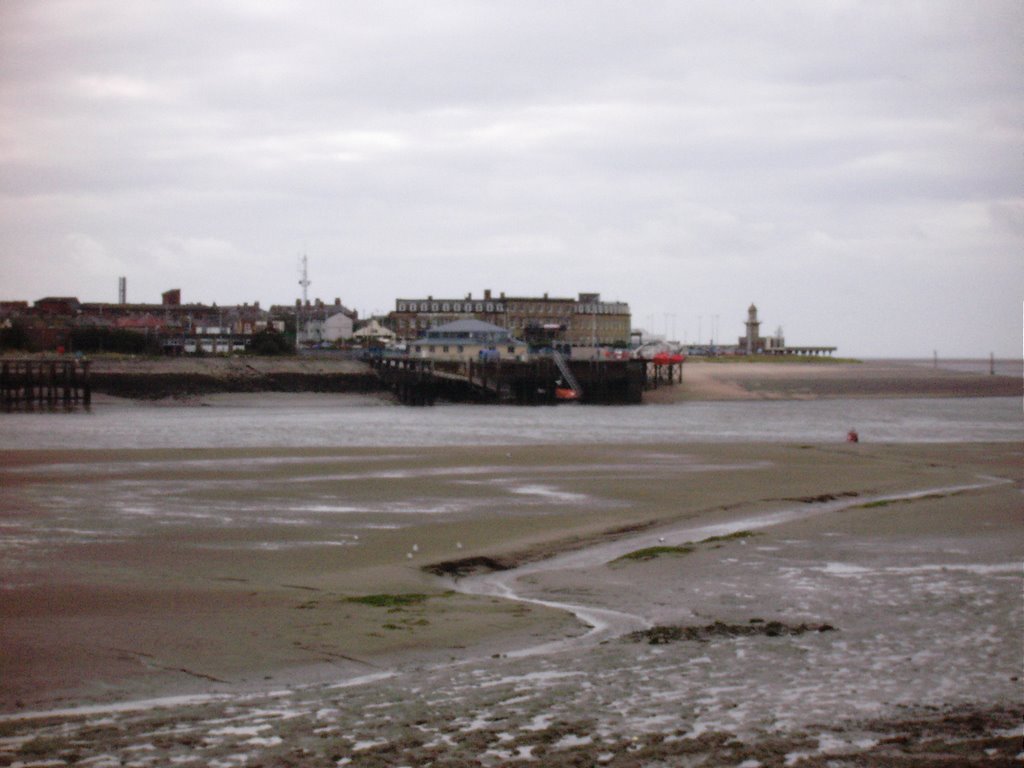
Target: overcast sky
x,y
856,169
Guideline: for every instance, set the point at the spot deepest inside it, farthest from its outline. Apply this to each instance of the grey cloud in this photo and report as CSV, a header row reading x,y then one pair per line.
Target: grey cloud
x,y
686,157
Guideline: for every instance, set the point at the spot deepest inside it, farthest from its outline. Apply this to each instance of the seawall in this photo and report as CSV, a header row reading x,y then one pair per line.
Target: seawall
x,y
159,378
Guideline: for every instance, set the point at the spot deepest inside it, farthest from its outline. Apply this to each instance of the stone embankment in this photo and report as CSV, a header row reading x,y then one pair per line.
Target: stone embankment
x,y
155,378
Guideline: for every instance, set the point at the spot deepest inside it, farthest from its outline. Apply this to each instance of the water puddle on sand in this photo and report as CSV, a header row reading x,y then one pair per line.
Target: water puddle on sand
x,y
602,622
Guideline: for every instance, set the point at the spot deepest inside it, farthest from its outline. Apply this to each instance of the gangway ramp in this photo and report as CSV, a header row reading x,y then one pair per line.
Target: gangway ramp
x,y
567,374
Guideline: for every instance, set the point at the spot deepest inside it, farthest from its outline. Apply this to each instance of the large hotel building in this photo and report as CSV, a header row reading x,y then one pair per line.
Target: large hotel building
x,y
584,321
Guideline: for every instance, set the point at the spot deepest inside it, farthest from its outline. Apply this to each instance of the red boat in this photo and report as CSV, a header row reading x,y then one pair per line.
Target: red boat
x,y
566,394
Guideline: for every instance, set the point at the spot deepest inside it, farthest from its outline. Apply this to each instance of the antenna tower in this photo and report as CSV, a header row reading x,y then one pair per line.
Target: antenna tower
x,y
305,281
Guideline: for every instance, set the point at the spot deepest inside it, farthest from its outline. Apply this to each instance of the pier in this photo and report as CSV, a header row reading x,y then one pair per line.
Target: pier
x,y
414,381
421,381
663,373
51,383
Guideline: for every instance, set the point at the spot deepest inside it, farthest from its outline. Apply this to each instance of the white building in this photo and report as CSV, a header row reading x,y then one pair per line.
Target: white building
x,y
468,340
375,334
337,327
324,323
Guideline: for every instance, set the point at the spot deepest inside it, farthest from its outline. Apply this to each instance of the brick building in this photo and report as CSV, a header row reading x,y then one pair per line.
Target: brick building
x,y
55,322
581,322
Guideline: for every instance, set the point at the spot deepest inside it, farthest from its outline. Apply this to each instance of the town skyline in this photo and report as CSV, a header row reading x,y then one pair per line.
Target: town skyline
x,y
851,168
714,337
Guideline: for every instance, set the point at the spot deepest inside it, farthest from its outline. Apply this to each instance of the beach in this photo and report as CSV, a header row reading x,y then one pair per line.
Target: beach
x,y
606,603
808,379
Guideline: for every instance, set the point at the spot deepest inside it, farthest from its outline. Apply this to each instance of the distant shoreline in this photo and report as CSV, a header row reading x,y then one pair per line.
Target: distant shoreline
x,y
185,379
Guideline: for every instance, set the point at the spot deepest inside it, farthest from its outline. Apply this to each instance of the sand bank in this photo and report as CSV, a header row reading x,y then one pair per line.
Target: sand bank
x,y
923,594
706,380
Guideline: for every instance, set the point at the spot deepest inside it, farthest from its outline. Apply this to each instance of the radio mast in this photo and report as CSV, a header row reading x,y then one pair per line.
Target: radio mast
x,y
301,311
305,281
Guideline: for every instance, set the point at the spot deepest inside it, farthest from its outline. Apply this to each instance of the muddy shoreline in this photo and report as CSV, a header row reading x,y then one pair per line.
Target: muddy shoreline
x,y
922,662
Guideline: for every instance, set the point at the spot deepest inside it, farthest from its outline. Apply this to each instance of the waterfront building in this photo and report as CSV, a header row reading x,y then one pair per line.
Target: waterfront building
x,y
542,321
468,339
373,334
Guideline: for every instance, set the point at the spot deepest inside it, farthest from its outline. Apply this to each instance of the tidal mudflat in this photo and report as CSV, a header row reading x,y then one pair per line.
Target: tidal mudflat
x,y
655,604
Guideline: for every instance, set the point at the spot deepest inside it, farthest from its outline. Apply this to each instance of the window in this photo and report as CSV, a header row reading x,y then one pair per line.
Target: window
x,y
479,307
446,307
401,306
433,307
423,306
490,307
444,348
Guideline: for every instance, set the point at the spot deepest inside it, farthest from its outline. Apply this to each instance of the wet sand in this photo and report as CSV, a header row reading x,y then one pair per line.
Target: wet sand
x,y
911,554
809,380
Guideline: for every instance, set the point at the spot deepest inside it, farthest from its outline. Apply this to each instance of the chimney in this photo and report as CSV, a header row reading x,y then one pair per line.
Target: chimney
x,y
487,294
337,301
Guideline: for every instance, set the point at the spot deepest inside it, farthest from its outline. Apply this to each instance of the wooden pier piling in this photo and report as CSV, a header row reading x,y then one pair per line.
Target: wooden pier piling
x,y
411,379
30,383
663,374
